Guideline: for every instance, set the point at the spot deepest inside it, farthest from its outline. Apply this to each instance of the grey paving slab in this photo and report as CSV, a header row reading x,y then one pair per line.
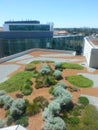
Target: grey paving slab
x,y
93,77
47,59
92,100
5,70
21,58
56,55
84,64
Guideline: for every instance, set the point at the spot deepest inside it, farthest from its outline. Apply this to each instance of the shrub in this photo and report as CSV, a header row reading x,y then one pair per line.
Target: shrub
x,y
32,109
57,65
22,121
80,81
57,74
17,108
83,100
30,67
50,80
27,89
2,92
44,81
54,107
9,120
73,120
19,95
1,101
7,102
61,95
41,101
54,123
51,89
2,124
45,69
62,84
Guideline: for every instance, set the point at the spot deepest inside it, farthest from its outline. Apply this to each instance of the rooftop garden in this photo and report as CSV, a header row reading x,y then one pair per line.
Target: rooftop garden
x,y
60,112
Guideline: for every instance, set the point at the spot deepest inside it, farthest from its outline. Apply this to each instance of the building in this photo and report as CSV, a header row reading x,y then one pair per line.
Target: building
x,y
16,127
19,36
68,42
91,51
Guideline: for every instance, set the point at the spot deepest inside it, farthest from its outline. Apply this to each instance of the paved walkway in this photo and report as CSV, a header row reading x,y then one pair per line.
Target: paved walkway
x,y
5,70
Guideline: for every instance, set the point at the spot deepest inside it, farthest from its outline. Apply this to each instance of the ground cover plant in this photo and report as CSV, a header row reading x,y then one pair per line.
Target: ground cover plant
x,y
59,114
66,65
16,82
80,81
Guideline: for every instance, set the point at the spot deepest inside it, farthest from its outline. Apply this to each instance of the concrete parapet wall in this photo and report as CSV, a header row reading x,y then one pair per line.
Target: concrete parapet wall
x,y
4,59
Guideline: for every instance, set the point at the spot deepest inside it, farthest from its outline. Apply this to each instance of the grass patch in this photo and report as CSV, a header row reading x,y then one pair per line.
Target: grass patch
x,y
65,65
80,81
16,82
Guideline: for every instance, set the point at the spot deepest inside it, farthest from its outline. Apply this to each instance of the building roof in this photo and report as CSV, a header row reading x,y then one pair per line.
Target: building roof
x,y
93,40
23,22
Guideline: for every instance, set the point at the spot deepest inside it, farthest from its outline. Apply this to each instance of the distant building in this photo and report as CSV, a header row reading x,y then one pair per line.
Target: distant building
x,y
19,36
61,32
91,51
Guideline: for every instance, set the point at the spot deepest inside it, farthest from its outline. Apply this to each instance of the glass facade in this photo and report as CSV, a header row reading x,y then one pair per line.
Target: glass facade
x,y
29,27
13,46
74,43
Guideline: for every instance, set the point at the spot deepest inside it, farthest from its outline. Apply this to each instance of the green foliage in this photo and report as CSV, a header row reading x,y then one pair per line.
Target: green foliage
x,y
57,65
32,109
62,96
45,69
2,124
22,121
90,118
9,120
36,62
80,81
57,74
51,89
55,123
62,84
30,67
7,102
1,101
66,65
2,92
50,80
41,101
16,82
73,120
27,89
83,100
17,108
44,81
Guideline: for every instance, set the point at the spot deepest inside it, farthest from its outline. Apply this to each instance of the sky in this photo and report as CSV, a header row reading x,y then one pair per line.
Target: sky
x,y
63,13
